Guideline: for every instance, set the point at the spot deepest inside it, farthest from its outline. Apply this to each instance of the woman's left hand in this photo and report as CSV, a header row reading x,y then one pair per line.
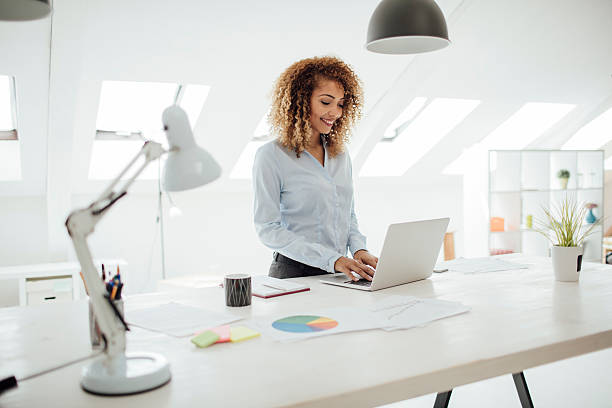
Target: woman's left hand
x,y
365,257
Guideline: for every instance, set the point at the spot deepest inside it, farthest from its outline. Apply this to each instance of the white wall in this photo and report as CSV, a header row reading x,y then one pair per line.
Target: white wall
x,y
215,233
213,236
379,206
23,238
23,230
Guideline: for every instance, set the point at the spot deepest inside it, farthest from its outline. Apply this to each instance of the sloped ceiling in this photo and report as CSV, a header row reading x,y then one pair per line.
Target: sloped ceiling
x,y
503,53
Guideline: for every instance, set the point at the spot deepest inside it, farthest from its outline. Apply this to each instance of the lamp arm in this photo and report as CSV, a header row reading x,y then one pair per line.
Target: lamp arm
x,y
151,151
80,224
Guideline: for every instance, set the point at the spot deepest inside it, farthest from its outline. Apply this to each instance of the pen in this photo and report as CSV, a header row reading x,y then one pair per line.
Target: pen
x,y
84,284
114,292
103,274
117,313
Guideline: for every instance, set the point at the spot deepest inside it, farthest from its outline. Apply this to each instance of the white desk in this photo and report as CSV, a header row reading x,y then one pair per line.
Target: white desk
x,y
50,270
519,319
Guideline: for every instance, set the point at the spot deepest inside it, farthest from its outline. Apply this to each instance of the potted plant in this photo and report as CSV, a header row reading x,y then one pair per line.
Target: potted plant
x,y
562,226
563,175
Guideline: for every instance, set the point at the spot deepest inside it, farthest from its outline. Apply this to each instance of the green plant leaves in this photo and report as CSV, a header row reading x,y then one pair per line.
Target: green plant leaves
x,y
563,223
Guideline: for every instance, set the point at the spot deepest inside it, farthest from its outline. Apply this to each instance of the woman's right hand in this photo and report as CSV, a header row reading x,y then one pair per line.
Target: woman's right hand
x,y
348,265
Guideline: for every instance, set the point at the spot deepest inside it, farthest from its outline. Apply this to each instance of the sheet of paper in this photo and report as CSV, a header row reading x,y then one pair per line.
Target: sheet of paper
x,y
315,324
479,265
176,319
404,312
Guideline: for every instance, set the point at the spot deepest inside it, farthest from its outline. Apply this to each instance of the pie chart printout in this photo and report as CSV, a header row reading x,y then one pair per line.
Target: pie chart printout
x,y
304,324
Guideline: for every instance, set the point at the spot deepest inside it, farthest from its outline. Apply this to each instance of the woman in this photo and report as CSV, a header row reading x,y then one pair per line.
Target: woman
x,y
304,208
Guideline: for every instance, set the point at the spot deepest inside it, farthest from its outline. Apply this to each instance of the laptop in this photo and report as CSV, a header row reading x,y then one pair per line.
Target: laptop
x,y
409,254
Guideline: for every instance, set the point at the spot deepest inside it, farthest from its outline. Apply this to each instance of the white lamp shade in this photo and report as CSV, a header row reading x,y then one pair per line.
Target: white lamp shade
x,y
188,165
24,10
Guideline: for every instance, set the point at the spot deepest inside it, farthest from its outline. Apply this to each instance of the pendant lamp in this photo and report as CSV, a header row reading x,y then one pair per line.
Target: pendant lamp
x,y
407,27
24,10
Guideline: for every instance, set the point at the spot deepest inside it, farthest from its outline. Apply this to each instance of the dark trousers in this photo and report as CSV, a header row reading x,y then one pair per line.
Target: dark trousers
x,y
284,268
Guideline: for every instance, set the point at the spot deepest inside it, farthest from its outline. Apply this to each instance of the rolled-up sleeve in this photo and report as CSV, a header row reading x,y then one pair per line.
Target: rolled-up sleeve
x,y
267,187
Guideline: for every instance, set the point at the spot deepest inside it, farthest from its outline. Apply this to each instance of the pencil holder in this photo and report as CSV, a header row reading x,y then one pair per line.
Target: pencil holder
x,y
237,290
94,329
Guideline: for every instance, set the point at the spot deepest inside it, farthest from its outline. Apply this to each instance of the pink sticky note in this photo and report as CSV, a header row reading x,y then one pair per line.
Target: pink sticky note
x,y
223,332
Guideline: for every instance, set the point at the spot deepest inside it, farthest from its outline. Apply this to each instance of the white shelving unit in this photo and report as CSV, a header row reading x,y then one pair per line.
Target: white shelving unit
x,y
522,182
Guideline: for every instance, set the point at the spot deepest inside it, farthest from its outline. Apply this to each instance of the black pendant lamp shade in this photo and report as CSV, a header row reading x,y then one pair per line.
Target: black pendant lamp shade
x,y
407,27
24,10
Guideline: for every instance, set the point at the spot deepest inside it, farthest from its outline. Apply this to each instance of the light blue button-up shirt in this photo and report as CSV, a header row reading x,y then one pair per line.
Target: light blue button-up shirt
x,y
303,210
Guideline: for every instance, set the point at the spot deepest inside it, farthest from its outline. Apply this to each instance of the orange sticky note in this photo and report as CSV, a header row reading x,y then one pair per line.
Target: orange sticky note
x,y
223,332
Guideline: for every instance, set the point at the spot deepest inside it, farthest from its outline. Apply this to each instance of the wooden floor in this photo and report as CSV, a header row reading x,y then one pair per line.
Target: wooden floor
x,y
584,381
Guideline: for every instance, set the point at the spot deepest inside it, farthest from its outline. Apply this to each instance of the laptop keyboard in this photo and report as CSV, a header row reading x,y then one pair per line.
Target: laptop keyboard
x,y
360,282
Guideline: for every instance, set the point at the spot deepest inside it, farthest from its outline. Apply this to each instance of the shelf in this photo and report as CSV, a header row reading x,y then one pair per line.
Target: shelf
x,y
506,192
546,190
523,183
535,230
589,225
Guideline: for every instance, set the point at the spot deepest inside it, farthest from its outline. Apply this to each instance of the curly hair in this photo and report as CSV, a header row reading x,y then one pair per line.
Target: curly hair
x,y
290,112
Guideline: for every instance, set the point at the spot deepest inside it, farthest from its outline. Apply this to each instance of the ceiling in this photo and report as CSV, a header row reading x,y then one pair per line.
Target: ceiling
x,y
504,54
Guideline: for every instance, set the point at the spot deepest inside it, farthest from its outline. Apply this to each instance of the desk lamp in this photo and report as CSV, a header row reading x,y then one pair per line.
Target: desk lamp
x,y
187,166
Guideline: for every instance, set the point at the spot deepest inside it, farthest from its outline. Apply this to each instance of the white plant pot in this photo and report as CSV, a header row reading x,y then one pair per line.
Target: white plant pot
x,y
565,263
563,182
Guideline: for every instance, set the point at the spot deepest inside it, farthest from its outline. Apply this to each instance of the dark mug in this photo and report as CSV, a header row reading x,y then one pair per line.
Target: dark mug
x,y
237,290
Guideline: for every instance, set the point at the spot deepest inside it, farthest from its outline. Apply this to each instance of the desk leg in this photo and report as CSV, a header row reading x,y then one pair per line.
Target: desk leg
x,y
442,399
523,391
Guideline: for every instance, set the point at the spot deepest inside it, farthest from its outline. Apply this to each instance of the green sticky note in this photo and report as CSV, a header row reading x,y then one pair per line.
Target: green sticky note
x,y
205,339
240,333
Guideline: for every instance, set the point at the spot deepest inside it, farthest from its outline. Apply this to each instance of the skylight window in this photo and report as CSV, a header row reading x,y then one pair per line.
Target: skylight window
x,y
191,99
436,120
516,133
406,116
244,165
593,135
109,158
262,134
127,107
526,125
263,127
10,155
131,112
7,122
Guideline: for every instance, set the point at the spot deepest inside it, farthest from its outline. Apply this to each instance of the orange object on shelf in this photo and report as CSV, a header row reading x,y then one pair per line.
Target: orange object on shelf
x,y
498,251
497,224
449,246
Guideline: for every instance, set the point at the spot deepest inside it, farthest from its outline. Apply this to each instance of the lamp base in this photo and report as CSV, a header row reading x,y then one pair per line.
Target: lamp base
x,y
129,373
